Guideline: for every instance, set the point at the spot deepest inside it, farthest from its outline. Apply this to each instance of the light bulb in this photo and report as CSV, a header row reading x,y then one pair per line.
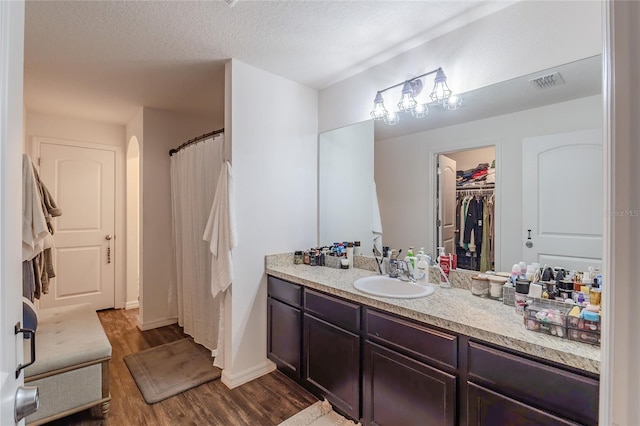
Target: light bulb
x,y
379,112
452,102
392,118
407,101
420,110
440,90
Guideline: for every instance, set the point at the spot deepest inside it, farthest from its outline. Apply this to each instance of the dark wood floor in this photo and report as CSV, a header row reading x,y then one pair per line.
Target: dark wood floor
x,y
262,402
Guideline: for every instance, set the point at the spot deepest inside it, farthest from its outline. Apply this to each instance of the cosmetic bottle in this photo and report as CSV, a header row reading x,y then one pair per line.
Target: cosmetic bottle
x,y
356,248
350,254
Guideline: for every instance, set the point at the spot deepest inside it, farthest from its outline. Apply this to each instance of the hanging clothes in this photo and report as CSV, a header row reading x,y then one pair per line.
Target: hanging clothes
x,y
473,224
485,252
38,211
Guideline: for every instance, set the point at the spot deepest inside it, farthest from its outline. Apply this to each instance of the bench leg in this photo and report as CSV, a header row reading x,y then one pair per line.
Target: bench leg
x,y
104,408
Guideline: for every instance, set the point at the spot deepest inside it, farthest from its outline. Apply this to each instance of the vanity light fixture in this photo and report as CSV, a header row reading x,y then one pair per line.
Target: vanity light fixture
x,y
440,94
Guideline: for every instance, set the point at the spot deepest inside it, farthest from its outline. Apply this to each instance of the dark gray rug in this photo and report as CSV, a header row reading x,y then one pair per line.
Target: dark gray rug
x,y
167,370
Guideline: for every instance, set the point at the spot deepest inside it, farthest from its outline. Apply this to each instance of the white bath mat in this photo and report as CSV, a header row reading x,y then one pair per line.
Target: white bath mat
x,y
319,414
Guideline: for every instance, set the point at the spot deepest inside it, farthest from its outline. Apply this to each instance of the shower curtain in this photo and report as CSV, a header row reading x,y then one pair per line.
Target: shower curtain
x,y
194,175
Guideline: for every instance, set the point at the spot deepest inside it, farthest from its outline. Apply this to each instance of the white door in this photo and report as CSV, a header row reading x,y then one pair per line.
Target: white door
x,y
81,179
562,199
11,59
447,203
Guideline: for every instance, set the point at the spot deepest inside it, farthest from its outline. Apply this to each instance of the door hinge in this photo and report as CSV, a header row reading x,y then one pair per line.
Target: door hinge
x,y
39,158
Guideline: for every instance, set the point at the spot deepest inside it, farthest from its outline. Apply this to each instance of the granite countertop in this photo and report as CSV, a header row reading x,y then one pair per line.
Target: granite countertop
x,y
453,309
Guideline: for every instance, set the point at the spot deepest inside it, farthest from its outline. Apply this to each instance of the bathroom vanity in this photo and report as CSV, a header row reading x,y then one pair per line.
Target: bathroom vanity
x,y
447,359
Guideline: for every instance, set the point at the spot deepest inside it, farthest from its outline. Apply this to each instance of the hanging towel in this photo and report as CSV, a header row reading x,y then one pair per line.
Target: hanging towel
x,y
377,222
35,232
221,232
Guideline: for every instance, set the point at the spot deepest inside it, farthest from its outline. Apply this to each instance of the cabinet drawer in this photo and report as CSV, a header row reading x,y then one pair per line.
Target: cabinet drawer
x,y
336,311
487,408
285,291
419,341
552,389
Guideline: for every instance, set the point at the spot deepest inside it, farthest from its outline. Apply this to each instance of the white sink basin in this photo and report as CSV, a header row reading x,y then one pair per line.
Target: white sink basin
x,y
381,285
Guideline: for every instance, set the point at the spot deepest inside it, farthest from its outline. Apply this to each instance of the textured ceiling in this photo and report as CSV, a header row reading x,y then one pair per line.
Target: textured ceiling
x,y
102,59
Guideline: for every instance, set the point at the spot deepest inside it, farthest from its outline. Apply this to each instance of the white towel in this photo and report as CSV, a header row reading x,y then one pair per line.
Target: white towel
x,y
35,233
377,222
221,232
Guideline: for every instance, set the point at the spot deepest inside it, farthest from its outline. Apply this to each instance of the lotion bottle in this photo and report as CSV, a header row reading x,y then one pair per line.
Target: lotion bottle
x,y
422,270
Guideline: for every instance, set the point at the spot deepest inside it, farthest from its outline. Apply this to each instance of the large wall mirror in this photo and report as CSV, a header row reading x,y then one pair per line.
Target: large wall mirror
x,y
544,132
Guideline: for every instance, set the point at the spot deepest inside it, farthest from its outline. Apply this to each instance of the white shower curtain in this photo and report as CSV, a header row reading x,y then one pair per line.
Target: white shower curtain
x,y
194,175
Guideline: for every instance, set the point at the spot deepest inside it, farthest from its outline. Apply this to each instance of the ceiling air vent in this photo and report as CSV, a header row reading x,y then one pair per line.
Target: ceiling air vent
x,y
548,80
230,3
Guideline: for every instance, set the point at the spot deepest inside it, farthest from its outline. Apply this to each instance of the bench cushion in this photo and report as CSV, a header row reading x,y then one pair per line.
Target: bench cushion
x,y
67,336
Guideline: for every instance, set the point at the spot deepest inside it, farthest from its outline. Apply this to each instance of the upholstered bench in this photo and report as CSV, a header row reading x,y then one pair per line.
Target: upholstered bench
x,y
72,363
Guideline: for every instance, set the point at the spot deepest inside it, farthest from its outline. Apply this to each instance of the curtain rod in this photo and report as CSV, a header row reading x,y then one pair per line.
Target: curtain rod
x,y
195,140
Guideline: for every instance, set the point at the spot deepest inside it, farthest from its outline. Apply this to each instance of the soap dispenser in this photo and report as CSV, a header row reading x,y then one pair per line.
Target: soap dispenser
x,y
422,270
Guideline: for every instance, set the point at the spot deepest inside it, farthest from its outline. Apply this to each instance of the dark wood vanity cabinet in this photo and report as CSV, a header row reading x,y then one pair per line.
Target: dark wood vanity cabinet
x,y
331,350
385,370
507,388
284,326
409,374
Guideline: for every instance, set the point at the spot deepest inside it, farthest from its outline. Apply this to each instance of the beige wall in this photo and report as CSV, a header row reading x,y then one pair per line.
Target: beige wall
x,y
162,131
80,130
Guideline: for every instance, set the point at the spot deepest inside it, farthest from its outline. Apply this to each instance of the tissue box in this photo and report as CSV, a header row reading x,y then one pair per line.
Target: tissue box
x,y
551,321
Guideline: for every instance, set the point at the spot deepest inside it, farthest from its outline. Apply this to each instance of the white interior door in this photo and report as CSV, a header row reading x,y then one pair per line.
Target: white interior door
x,y
447,203
562,199
81,180
11,137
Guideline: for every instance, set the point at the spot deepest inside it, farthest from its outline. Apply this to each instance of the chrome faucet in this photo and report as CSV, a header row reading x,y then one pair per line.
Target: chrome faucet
x,y
405,269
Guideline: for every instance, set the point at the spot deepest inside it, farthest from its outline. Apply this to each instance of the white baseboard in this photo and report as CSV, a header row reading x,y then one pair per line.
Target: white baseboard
x,y
233,380
148,325
132,305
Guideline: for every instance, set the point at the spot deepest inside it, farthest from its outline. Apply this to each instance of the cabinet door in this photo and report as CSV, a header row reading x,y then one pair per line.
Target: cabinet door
x,y
488,408
283,337
332,364
398,390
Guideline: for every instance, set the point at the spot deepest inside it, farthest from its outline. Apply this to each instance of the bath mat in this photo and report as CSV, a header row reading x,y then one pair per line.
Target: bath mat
x,y
319,414
167,370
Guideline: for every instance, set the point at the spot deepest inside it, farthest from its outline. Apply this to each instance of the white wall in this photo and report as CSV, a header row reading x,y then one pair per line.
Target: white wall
x,y
518,40
408,162
73,129
274,147
162,130
470,158
345,185
81,130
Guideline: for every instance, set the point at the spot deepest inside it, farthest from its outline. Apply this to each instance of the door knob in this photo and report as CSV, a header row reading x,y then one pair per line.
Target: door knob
x,y
108,237
27,402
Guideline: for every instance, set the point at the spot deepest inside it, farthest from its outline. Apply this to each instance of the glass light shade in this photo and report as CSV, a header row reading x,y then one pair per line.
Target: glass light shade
x,y
379,112
440,90
407,101
420,110
452,102
392,118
